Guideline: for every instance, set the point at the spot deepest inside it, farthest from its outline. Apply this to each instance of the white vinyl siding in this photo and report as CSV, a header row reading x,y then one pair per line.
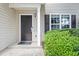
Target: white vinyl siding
x,y
7,26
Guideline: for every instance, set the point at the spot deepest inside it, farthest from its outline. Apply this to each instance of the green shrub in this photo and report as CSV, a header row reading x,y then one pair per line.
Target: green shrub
x,y
74,32
62,42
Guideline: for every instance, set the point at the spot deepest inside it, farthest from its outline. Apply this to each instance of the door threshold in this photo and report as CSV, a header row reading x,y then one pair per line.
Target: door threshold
x,y
25,42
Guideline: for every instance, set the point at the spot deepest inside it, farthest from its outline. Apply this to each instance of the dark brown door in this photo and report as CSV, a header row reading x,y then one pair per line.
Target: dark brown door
x,y
26,24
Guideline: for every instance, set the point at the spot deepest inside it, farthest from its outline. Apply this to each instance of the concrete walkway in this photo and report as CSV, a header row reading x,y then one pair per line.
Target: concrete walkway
x,y
22,50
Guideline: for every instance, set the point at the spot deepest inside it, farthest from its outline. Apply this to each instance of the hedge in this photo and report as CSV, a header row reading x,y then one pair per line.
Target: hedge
x,y
62,42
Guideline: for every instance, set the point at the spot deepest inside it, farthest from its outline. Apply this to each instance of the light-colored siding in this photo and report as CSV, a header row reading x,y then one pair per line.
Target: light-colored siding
x,y
8,30
72,8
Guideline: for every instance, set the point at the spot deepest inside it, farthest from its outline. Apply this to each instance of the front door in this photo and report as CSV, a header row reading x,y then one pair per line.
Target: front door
x,y
26,25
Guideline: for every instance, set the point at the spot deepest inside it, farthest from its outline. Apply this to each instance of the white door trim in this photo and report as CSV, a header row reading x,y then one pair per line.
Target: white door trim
x,y
20,25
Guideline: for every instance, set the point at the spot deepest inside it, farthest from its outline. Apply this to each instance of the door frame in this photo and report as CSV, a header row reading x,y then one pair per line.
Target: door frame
x,y
20,24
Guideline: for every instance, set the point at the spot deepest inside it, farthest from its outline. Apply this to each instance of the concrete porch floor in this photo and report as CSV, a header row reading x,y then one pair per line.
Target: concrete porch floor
x,y
22,50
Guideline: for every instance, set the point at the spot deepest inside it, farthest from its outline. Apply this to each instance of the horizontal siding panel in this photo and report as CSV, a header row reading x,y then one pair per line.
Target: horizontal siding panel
x,y
8,26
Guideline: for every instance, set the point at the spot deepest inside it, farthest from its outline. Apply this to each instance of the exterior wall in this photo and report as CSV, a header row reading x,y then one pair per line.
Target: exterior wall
x,y
8,29
34,23
71,8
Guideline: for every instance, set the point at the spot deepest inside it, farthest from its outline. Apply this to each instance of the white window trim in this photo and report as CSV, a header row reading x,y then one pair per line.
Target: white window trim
x,y
60,19
50,21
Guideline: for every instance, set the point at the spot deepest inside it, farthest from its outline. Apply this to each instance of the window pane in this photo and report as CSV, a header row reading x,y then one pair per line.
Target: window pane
x,y
54,26
65,26
55,19
65,21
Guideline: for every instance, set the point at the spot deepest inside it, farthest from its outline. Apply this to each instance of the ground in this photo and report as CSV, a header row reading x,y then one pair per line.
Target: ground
x,y
22,50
